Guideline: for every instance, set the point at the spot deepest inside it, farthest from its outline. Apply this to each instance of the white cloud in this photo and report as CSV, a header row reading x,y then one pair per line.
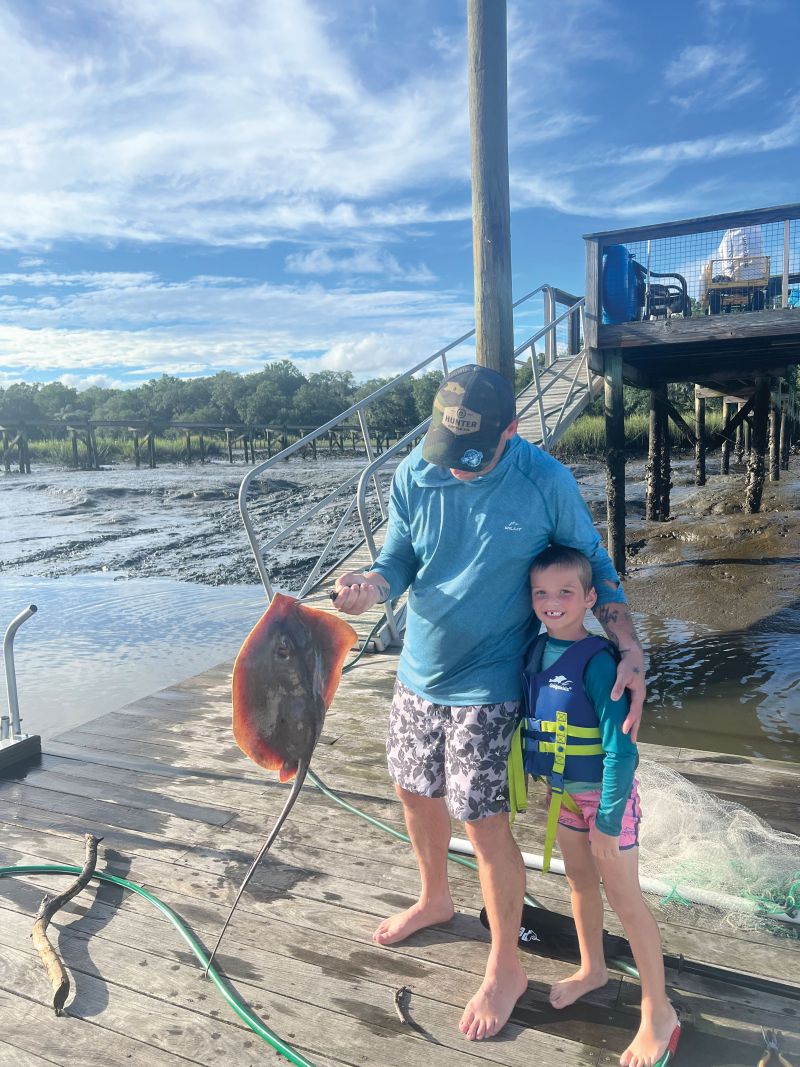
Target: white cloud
x,y
362,261
82,382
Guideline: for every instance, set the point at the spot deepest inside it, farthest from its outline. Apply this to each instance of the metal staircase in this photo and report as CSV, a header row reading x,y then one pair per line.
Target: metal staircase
x,y
561,386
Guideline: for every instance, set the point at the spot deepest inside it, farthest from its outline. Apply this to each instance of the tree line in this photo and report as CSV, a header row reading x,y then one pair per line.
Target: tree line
x,y
279,395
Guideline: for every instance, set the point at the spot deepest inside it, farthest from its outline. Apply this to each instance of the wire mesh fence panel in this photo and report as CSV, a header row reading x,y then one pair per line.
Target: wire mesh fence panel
x,y
741,268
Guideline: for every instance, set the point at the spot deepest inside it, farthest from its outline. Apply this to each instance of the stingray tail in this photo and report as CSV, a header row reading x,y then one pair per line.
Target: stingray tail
x,y
287,807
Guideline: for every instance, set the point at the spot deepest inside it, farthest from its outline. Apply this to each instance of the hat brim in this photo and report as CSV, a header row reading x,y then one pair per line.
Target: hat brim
x,y
466,453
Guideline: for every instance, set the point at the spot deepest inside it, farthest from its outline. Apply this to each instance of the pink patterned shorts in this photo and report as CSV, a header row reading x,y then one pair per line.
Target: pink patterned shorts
x,y
589,803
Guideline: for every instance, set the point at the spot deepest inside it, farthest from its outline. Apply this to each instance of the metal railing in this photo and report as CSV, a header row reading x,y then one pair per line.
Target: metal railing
x,y
364,491
11,724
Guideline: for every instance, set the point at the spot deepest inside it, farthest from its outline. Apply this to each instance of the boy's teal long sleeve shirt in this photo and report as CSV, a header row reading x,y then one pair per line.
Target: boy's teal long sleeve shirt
x,y
464,549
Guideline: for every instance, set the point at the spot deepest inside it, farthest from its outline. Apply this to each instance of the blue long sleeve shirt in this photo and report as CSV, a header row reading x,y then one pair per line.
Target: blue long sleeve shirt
x,y
463,549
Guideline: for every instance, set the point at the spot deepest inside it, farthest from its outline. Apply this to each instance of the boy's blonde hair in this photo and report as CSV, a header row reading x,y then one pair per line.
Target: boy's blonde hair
x,y
569,558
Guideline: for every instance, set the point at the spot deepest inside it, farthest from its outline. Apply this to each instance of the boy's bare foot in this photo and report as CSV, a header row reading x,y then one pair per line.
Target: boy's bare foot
x,y
417,917
652,1040
490,1009
566,992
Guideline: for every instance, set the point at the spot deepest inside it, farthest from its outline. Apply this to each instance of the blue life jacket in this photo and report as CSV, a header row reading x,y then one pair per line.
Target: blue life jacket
x,y
560,689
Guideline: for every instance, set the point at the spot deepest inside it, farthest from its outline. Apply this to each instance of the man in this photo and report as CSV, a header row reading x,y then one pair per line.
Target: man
x,y
740,255
470,508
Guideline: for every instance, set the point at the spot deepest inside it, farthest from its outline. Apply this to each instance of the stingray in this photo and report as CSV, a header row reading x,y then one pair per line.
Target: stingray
x,y
284,680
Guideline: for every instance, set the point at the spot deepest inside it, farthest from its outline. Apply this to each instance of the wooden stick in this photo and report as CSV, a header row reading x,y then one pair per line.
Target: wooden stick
x,y
55,969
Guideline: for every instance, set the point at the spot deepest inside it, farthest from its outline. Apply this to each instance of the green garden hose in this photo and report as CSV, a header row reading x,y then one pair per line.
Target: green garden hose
x,y
227,992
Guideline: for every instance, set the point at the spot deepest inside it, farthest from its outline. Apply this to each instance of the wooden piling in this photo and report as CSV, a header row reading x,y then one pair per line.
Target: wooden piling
x,y
229,440
786,433
739,446
491,212
756,462
189,449
151,450
774,436
725,451
6,451
652,505
137,456
74,437
615,457
699,438
202,449
665,481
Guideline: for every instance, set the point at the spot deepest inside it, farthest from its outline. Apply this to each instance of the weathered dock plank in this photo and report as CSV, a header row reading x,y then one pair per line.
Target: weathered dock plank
x,y
182,811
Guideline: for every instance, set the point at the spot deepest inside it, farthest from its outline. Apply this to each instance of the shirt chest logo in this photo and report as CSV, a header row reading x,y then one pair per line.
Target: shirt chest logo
x,y
513,526
561,683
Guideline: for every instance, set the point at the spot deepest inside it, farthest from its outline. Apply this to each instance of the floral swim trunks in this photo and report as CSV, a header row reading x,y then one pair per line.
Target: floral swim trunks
x,y
459,753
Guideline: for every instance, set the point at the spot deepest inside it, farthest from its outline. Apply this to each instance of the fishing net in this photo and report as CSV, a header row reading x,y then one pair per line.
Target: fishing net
x,y
691,840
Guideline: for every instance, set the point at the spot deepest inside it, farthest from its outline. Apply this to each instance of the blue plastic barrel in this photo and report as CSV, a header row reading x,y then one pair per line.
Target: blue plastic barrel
x,y
620,301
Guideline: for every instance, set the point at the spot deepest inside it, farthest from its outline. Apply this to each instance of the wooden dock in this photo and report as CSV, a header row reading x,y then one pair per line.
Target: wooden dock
x,y
182,812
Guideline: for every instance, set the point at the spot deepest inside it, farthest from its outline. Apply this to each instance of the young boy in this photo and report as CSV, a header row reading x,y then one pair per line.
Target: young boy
x,y
573,739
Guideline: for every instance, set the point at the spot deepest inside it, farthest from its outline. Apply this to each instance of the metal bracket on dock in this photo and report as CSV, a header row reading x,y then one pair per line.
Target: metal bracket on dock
x,y
14,744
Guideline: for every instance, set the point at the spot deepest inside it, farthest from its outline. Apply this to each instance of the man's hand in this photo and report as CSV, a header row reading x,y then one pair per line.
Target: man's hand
x,y
630,676
604,847
357,592
615,618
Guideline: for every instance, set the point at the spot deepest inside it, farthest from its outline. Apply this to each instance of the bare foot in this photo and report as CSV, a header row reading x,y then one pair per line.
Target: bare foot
x,y
489,1010
652,1040
417,917
566,992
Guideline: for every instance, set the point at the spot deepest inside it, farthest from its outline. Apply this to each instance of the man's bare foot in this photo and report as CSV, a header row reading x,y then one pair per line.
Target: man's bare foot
x,y
566,992
490,1009
417,917
652,1040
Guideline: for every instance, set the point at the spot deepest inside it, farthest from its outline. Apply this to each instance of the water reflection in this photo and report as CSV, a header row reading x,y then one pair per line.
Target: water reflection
x,y
733,692
98,643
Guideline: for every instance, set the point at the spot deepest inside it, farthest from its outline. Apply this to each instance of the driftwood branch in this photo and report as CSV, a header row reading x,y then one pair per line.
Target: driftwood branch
x,y
51,961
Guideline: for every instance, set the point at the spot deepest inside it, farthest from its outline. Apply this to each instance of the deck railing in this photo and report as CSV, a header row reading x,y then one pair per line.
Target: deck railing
x,y
366,491
745,261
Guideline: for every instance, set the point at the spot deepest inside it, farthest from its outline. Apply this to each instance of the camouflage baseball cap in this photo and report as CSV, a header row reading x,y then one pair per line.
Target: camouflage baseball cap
x,y
472,408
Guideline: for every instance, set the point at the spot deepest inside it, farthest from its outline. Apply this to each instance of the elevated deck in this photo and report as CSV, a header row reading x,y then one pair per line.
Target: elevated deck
x,y
707,310
182,811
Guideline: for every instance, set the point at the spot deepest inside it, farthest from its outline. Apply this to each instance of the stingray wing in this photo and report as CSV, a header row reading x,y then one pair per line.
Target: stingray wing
x,y
253,726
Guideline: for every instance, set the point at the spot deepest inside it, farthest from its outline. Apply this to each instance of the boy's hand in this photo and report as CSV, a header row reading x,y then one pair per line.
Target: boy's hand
x,y
604,847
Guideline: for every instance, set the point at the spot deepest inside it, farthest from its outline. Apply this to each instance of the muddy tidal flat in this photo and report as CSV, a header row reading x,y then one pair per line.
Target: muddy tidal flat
x,y
144,577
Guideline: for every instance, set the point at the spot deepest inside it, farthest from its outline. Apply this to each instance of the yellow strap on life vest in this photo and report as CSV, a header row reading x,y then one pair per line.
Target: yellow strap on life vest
x,y
517,779
572,731
570,750
557,794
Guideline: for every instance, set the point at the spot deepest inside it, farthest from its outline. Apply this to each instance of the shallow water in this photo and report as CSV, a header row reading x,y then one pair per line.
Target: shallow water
x,y
93,550
97,643
734,692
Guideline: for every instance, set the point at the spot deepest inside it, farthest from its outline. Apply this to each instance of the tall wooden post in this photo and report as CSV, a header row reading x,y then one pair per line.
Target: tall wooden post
x,y
699,438
725,451
137,456
189,449
229,439
739,446
6,450
615,457
491,212
785,435
652,500
665,481
202,448
774,436
755,465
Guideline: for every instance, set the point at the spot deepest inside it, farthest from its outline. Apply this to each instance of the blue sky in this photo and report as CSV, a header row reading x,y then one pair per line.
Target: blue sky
x,y
188,186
